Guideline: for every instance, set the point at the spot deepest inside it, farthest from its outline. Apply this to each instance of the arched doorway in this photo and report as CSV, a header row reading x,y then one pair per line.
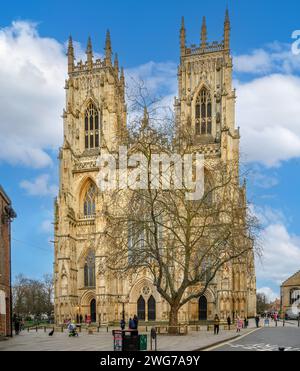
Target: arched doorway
x,y
93,310
202,308
151,309
141,308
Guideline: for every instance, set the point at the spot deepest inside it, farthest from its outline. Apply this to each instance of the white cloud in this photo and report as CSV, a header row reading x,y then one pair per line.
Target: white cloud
x,y
281,254
259,61
268,112
274,57
32,73
40,186
268,216
269,293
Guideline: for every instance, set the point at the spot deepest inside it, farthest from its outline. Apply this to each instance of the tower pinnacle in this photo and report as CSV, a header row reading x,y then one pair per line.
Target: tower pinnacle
x,y
116,63
108,49
203,34
227,31
89,53
70,55
182,36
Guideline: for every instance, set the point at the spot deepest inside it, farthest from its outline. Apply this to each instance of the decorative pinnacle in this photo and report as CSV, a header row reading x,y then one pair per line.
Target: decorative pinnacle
x,y
108,49
116,62
203,33
227,30
182,36
89,52
70,55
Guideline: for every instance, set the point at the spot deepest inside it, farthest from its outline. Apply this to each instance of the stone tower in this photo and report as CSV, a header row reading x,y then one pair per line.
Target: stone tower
x,y
205,108
94,121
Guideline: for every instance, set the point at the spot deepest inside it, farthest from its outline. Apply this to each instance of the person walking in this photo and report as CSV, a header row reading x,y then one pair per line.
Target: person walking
x,y
257,321
216,325
245,322
122,324
132,327
239,324
16,322
228,322
136,321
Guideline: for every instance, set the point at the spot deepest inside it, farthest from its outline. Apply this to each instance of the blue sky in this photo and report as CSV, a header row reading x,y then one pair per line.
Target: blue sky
x,y
145,35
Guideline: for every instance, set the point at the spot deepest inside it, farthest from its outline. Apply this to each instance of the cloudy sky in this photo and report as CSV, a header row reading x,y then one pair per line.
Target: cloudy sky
x,y
33,38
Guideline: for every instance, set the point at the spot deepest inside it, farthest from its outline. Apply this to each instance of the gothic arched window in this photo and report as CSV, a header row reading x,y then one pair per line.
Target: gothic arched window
x,y
92,127
203,113
89,204
89,270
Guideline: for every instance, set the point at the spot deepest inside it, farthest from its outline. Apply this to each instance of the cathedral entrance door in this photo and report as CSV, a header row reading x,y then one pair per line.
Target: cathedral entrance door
x,y
93,310
202,308
141,308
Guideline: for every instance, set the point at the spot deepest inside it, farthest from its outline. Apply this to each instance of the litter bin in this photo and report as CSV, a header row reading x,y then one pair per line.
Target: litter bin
x,y
130,341
142,342
118,340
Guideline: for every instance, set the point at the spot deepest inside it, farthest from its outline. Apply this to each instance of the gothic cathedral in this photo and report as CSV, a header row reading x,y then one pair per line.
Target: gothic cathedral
x,y
95,119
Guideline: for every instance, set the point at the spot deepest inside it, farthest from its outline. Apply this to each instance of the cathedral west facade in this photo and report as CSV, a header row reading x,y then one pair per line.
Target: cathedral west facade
x,y
94,121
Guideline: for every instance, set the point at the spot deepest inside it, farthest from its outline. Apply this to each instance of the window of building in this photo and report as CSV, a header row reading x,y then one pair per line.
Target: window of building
x,y
89,204
92,127
89,270
203,113
294,296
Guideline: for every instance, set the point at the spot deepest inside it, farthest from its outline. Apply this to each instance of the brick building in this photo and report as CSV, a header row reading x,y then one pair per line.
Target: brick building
x,y
6,216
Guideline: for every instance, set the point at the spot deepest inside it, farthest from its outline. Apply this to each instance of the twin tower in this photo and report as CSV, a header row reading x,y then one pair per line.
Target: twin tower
x,y
95,119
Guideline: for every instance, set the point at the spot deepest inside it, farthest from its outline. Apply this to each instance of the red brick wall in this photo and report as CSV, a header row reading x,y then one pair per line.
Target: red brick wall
x,y
5,267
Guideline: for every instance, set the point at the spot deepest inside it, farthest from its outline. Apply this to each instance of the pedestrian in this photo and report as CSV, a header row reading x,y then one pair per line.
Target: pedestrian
x,y
132,326
257,321
228,322
216,325
80,318
136,321
122,324
239,324
16,322
245,322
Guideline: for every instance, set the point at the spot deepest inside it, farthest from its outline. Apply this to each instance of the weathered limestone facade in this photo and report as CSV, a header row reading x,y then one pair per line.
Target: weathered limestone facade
x,y
94,120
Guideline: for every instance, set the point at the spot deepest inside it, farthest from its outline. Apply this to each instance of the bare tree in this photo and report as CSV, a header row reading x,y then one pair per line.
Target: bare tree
x,y
33,297
181,244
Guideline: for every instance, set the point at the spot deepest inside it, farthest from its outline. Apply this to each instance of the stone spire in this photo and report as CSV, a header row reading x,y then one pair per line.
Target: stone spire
x,y
203,34
122,82
182,37
70,55
89,53
227,31
108,49
116,63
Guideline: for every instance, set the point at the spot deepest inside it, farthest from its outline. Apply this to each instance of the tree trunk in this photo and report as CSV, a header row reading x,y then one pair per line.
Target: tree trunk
x,y
173,320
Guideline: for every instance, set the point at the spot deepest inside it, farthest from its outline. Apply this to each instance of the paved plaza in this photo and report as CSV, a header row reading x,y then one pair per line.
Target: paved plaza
x,y
103,340
266,340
